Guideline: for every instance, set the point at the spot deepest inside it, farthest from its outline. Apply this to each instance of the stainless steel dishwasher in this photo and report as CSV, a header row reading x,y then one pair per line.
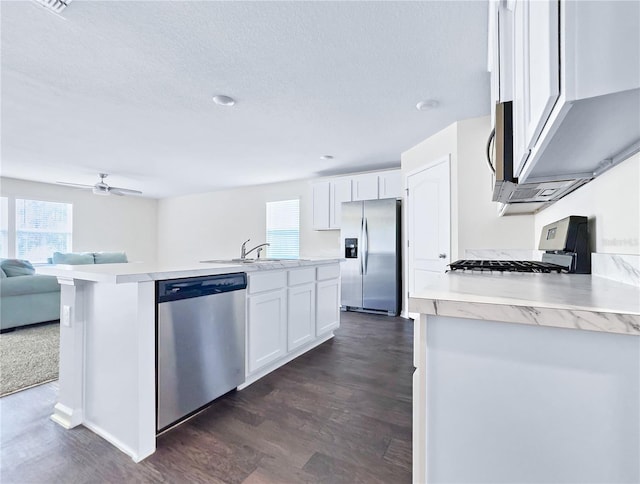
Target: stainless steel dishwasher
x,y
200,341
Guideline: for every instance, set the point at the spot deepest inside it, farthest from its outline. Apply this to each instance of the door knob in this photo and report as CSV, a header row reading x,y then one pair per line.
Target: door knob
x,y
442,256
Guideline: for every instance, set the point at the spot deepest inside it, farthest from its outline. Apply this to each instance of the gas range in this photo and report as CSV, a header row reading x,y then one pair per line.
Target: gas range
x,y
566,246
507,266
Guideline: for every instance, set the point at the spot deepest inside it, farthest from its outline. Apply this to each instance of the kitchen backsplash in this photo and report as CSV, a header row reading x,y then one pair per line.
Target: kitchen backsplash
x,y
502,254
617,267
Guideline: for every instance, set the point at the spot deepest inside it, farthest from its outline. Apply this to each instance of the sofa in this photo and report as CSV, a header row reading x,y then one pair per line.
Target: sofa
x,y
26,297
29,298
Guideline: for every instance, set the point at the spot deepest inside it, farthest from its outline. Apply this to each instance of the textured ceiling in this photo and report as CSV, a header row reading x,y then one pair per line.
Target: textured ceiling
x,y
125,87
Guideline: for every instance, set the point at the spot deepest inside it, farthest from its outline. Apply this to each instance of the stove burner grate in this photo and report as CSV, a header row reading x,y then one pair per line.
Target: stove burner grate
x,y
506,266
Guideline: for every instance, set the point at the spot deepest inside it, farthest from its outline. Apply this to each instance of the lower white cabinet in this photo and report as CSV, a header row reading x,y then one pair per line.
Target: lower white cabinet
x,y
289,311
328,305
267,328
301,327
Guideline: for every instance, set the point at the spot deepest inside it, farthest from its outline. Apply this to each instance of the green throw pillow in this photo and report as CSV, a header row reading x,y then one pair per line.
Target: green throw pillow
x,y
17,267
73,258
109,257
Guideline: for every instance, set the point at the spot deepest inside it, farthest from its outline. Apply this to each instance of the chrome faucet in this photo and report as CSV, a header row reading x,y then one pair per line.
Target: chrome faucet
x,y
244,252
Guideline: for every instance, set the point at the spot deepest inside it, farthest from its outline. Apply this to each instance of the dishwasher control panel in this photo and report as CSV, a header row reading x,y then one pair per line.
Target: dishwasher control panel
x,y
176,289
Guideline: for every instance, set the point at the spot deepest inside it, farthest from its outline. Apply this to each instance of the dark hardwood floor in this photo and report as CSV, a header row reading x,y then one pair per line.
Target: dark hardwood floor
x,y
340,413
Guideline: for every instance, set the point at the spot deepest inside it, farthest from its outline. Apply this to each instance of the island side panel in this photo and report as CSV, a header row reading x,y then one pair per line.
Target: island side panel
x,y
517,403
120,365
68,411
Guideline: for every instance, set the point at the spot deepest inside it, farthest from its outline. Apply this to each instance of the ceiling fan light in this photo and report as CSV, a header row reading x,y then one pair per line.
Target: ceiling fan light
x,y
98,191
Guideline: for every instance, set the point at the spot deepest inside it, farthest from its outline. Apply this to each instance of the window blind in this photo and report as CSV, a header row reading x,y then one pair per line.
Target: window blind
x,y
283,229
4,227
42,228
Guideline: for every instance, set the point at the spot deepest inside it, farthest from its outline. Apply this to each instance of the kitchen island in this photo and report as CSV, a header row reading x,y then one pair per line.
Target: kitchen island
x,y
526,378
107,379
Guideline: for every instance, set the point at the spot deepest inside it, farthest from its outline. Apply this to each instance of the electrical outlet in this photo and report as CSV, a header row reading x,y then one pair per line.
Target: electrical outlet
x,y
66,316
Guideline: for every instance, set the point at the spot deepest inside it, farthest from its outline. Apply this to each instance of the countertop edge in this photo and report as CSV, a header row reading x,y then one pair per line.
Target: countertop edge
x,y
608,321
100,273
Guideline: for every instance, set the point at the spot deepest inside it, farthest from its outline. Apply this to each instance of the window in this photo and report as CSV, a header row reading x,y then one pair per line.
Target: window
x,y
283,229
4,227
42,228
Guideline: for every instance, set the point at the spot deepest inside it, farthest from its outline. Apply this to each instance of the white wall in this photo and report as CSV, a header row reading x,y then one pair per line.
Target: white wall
x,y
612,203
479,227
474,220
99,223
214,225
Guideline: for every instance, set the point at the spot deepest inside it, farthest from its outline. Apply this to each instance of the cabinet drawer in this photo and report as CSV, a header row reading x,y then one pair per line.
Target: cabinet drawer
x,y
267,281
328,272
302,276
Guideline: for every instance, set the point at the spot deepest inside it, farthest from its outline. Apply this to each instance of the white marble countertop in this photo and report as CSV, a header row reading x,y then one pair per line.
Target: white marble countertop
x,y
560,300
140,271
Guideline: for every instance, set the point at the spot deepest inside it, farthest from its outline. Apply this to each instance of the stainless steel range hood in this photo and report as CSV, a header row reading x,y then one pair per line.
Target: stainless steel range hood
x,y
506,188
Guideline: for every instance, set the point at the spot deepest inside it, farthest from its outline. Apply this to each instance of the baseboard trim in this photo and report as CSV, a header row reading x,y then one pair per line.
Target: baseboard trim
x,y
292,356
116,442
66,417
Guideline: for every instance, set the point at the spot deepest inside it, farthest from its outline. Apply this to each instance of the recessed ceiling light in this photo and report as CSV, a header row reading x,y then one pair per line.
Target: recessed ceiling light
x,y
326,157
427,104
223,100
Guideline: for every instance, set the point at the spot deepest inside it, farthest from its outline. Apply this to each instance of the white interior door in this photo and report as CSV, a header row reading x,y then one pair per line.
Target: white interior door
x,y
428,223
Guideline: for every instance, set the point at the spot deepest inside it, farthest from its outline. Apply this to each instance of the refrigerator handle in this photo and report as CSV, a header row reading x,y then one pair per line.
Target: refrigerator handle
x,y
365,248
362,245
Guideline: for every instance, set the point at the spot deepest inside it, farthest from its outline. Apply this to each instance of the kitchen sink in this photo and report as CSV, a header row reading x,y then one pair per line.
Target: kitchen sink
x,y
246,261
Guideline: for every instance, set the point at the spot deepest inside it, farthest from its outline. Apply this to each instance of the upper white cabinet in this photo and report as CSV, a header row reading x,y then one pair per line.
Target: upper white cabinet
x,y
328,195
575,80
500,62
365,186
536,73
340,192
321,201
390,184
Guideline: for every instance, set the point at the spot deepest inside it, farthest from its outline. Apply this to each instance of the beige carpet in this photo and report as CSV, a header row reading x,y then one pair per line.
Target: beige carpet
x,y
29,357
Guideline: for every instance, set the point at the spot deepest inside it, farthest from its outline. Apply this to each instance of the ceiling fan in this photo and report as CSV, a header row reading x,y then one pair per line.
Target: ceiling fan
x,y
101,188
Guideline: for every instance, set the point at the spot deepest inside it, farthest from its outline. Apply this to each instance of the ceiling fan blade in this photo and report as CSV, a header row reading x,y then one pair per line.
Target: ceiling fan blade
x,y
74,185
123,191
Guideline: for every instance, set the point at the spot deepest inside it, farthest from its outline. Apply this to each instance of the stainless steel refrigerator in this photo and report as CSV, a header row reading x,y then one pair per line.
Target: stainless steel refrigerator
x,y
370,239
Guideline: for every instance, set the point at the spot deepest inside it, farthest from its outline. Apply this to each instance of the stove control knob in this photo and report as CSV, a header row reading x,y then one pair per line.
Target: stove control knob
x,y
442,256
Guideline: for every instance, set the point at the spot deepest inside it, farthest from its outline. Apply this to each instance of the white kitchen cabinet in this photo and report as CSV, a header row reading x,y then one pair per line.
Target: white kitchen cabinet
x,y
390,184
340,192
266,328
364,186
301,315
329,195
576,85
321,200
500,50
536,75
328,305
289,311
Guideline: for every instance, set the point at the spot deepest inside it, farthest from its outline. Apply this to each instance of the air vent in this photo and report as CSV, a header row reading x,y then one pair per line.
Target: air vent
x,y
56,6
524,194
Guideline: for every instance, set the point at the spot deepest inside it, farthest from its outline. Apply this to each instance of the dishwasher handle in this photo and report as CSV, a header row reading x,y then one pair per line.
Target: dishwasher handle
x,y
176,289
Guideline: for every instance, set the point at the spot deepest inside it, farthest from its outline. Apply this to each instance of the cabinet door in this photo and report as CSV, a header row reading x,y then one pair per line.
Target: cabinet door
x,y
267,328
302,315
390,184
321,193
328,305
537,73
365,187
340,192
